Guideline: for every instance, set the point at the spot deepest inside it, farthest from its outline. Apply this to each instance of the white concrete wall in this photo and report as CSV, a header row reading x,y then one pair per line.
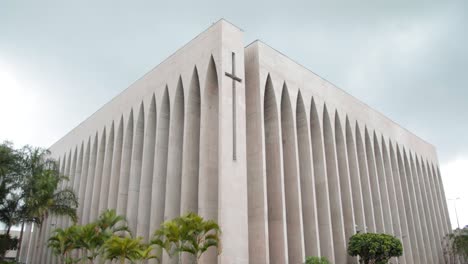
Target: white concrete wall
x,y
369,174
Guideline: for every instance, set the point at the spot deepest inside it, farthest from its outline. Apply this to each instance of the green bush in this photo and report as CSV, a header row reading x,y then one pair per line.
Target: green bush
x,y
316,260
374,248
7,243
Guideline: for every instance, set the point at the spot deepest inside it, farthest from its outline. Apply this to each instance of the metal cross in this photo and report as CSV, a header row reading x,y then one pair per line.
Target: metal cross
x,y
234,80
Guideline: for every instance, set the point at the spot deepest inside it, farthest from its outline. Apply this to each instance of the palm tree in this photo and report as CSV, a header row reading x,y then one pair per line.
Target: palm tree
x,y
42,196
189,233
62,242
127,248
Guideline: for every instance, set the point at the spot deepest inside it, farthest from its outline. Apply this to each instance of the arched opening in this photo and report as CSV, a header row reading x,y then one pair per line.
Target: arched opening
x,y
275,185
309,202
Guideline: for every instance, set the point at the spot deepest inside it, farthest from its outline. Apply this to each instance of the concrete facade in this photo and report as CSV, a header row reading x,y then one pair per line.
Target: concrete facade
x,y
313,164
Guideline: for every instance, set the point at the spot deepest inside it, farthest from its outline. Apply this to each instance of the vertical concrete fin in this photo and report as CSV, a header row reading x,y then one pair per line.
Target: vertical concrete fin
x,y
392,199
432,205
399,192
291,181
116,165
191,154
106,171
357,199
334,189
98,178
79,166
374,183
444,199
146,181
307,182
158,189
174,162
275,185
90,179
321,186
83,181
415,203
345,181
125,167
209,148
429,229
365,183
135,171
383,188
408,205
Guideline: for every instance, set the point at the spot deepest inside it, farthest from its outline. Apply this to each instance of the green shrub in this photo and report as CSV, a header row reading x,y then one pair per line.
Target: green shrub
x,y
374,248
316,260
7,243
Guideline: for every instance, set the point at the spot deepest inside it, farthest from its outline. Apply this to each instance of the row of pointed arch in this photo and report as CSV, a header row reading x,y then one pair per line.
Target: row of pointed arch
x,y
156,164
325,182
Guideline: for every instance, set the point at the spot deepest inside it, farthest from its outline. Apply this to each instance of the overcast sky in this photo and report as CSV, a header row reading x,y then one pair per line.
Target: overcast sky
x,y
60,61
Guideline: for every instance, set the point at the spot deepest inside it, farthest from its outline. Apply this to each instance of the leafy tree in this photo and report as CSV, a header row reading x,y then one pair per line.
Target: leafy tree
x,y
189,233
457,243
41,193
127,248
7,243
317,260
89,239
10,183
374,248
63,241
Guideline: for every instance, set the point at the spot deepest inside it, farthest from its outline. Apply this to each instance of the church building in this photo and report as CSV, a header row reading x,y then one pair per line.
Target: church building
x,y
288,164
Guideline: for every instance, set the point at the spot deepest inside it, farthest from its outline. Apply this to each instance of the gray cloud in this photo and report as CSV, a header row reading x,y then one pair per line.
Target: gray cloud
x,y
407,59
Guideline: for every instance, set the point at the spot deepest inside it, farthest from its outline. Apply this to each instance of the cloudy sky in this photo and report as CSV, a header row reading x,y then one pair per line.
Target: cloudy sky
x,y
62,60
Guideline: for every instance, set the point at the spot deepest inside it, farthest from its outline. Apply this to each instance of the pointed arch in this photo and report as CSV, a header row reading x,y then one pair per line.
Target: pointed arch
x,y
106,174
90,179
321,186
443,199
158,189
116,165
334,189
135,169
275,185
405,234
344,178
432,210
72,177
291,181
79,165
374,184
411,174
125,167
209,144
191,154
383,188
408,206
146,181
307,182
392,196
83,181
365,183
358,204
97,178
174,162
428,228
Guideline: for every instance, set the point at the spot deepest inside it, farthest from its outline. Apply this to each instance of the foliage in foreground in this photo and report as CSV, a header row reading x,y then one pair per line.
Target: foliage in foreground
x,y
109,238
317,260
29,188
374,248
7,243
456,246
189,233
